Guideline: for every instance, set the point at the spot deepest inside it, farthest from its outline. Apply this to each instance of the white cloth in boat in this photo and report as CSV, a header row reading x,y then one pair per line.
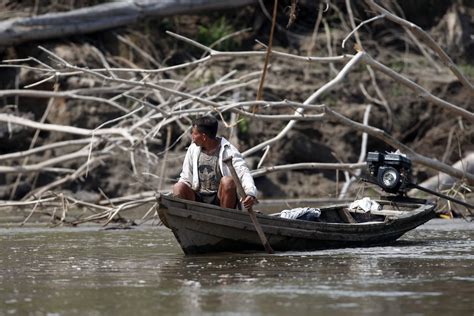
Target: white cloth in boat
x,y
300,211
365,205
190,174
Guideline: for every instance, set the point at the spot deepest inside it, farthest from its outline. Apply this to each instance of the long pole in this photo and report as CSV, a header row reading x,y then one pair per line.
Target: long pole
x,y
443,196
241,193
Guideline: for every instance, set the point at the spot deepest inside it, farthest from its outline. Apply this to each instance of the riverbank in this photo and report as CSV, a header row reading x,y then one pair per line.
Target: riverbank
x,y
144,151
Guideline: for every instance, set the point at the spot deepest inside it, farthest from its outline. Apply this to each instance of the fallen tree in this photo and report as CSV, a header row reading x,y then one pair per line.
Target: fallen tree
x,y
151,109
102,17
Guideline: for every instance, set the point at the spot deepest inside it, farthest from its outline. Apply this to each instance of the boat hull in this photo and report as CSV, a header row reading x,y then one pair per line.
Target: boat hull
x,y
202,228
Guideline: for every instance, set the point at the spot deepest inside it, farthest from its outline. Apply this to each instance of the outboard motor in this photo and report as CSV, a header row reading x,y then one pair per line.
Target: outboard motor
x,y
391,171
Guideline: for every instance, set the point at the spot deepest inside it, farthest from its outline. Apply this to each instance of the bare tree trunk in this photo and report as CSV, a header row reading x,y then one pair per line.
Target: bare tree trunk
x,y
443,181
101,17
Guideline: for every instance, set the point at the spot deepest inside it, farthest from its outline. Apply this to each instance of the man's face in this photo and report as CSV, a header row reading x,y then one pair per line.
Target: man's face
x,y
198,137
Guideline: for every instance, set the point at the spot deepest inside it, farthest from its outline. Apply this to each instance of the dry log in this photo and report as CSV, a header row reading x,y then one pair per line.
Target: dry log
x,y
11,119
308,166
101,17
444,181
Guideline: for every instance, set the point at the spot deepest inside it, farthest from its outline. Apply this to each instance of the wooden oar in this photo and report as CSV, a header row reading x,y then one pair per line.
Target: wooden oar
x,y
241,192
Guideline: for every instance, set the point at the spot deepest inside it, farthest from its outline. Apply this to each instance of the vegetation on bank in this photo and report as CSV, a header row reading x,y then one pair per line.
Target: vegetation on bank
x,y
104,166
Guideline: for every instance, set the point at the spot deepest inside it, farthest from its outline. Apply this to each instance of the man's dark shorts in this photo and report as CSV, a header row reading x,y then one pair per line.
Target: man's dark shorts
x,y
209,198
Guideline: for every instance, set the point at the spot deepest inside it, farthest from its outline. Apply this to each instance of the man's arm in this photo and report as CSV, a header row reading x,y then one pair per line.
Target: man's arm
x,y
244,174
186,175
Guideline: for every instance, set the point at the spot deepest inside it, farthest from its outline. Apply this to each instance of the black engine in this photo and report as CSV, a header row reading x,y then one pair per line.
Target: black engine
x,y
391,171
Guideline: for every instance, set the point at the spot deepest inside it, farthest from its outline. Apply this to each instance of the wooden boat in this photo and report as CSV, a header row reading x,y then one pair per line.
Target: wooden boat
x,y
205,228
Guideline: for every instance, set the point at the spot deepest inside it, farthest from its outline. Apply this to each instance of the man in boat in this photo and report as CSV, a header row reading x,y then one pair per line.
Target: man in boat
x,y
205,178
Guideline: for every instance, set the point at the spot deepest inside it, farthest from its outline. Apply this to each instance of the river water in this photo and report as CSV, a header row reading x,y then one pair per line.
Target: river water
x,y
88,271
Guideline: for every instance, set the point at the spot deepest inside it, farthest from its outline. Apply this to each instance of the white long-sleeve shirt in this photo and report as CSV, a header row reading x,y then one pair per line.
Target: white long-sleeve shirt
x,y
190,176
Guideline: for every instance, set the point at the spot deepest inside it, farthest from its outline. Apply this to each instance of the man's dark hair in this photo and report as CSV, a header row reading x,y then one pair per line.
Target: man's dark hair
x,y
207,125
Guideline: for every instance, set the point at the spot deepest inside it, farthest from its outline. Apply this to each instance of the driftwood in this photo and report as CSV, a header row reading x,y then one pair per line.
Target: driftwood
x,y
102,17
443,181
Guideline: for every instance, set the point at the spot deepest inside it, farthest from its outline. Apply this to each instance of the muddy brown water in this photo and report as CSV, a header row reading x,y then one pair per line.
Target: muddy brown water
x,y
88,271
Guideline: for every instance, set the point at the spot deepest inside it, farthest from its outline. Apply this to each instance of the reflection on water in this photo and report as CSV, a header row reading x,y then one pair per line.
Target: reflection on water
x,y
77,271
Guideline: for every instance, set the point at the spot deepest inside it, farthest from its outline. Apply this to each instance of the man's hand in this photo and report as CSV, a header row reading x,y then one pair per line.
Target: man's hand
x,y
249,201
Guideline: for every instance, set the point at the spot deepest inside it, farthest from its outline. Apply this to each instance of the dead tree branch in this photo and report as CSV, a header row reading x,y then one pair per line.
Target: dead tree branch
x,y
427,39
